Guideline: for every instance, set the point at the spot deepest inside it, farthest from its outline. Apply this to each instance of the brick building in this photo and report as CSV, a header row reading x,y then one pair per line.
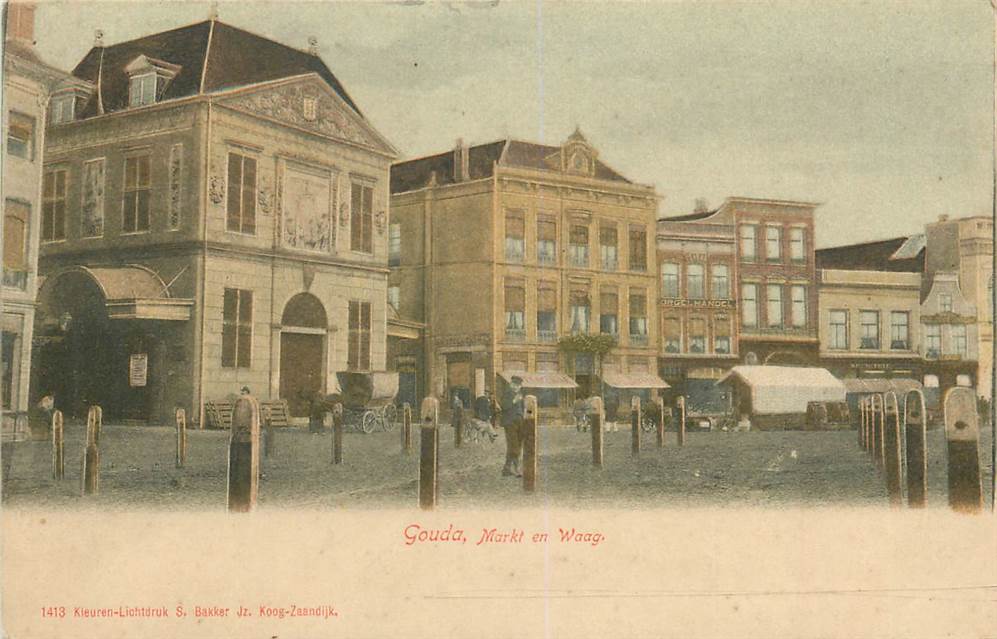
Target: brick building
x,y
215,216
506,247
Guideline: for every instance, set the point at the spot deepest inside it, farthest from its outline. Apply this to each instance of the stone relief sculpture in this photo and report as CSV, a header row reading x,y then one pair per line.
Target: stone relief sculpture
x,y
92,210
306,212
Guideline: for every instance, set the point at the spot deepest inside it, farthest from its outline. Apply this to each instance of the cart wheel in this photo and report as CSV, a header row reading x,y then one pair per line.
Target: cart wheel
x,y
390,417
368,422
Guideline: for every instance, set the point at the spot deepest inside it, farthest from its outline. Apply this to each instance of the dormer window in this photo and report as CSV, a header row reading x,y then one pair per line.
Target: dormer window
x,y
62,108
148,79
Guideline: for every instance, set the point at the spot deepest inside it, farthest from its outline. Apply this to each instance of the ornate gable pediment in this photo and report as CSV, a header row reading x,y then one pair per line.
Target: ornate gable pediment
x,y
310,105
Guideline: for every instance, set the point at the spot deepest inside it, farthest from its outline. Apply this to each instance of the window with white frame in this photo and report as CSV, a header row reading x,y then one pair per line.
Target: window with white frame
x,y
960,345
694,284
608,247
142,89
773,304
62,108
137,193
837,338
20,135
798,310
54,205
394,244
546,241
580,309
515,233
945,302
237,328
749,242
721,335
578,246
720,278
749,305
869,327
515,310
932,340
669,279
671,334
899,330
361,218
773,243
697,335
241,203
797,244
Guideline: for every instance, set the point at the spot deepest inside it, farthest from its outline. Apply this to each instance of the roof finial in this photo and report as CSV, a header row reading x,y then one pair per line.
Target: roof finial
x,y
98,37
312,45
213,11
577,135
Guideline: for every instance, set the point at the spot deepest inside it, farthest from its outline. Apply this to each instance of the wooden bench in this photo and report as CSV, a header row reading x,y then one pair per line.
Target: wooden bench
x,y
219,413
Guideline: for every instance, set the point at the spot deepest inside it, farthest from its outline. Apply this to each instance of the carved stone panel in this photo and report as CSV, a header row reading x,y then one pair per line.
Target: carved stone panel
x,y
308,214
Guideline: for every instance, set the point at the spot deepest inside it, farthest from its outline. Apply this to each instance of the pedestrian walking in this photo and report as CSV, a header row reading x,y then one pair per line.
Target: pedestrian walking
x,y
513,423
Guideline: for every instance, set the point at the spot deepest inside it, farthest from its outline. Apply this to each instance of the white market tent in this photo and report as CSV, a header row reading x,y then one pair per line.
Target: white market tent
x,y
778,390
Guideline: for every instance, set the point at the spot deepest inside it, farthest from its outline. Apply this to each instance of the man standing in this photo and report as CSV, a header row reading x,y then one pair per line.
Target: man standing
x,y
512,421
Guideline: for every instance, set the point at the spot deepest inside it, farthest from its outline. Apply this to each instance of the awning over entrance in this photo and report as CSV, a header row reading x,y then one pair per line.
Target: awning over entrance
x,y
131,292
900,385
541,379
633,380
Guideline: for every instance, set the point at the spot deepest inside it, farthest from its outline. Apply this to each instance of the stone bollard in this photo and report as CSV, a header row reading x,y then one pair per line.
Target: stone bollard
x,y
457,421
406,428
58,446
915,427
892,460
661,422
595,425
635,427
680,417
90,473
429,454
962,432
531,440
180,418
244,455
337,433
876,404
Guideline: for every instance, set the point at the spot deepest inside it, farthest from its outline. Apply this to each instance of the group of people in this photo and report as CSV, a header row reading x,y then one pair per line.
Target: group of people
x,y
511,415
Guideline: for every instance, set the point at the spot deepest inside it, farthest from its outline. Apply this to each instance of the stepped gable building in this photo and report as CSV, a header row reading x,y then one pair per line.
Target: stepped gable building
x,y
215,215
28,84
870,308
505,248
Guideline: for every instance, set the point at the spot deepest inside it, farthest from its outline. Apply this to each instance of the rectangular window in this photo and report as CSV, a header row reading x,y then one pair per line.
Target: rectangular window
x,y
697,335
721,335
869,325
241,206
671,334
638,318
138,189
515,244
694,285
578,248
54,206
237,328
669,279
900,330
609,309
638,249
362,218
945,302
62,109
515,311
358,349
837,338
749,305
142,89
608,248
394,296
394,244
798,311
749,242
547,313
581,309
960,345
15,244
773,244
21,135
773,304
92,209
720,276
546,241
797,244
932,340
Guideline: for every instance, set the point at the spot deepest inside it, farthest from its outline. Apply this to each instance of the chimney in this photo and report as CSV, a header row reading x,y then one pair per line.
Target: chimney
x,y
943,218
21,22
700,206
461,167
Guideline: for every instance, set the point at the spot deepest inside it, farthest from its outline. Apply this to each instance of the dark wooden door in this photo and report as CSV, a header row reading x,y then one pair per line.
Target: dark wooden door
x,y
300,370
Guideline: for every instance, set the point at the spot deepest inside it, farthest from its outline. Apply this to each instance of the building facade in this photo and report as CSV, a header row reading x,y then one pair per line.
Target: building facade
x,y
505,248
28,83
870,308
215,216
776,280
697,268
949,335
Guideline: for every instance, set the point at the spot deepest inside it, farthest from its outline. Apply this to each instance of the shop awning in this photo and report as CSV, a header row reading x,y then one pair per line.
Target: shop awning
x,y
130,292
633,380
899,385
541,379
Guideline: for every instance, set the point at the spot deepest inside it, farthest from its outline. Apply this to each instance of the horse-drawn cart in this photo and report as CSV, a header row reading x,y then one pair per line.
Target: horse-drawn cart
x,y
368,400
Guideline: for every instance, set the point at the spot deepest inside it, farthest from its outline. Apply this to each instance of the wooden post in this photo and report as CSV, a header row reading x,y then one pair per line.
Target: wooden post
x,y
406,428
891,449
876,402
457,421
661,422
635,427
90,475
94,418
680,409
244,455
531,437
58,446
180,417
269,445
595,425
861,423
429,463
337,433
962,432
915,426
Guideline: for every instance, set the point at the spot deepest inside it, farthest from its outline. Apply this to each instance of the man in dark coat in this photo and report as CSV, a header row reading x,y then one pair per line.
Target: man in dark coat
x,y
513,422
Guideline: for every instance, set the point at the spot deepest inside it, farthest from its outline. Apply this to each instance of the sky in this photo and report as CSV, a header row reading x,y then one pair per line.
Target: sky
x,y
880,111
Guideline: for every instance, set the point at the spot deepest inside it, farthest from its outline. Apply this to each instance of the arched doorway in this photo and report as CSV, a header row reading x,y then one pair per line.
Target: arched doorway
x,y
302,352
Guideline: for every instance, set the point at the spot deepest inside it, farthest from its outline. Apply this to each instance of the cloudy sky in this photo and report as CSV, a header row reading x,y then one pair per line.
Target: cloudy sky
x,y
882,111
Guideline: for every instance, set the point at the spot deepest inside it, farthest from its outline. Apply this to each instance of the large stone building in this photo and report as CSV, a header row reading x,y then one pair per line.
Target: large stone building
x,y
27,84
870,308
215,215
504,248
698,312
